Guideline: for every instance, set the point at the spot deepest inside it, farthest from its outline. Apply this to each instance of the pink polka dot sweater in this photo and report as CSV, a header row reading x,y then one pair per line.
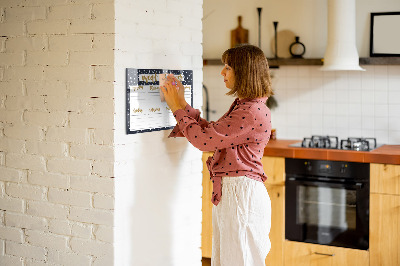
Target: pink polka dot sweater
x,y
238,139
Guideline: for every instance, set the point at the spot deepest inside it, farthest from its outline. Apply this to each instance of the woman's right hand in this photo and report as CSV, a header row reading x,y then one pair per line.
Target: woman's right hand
x,y
181,91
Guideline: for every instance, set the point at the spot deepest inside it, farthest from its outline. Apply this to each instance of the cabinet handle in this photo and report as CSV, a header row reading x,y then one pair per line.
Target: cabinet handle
x,y
324,254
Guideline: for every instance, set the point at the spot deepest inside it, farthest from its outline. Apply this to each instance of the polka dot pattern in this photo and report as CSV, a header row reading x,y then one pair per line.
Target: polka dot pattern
x,y
238,139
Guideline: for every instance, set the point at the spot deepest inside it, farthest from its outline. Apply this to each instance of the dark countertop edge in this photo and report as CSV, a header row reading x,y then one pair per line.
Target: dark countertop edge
x,y
386,154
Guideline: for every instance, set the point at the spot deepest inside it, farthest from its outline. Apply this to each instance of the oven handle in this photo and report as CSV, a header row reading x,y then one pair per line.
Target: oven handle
x,y
357,185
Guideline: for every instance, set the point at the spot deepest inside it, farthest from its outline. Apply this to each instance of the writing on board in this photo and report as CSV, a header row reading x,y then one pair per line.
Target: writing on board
x,y
146,110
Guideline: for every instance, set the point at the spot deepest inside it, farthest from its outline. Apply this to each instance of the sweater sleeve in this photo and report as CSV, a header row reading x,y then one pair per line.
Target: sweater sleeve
x,y
193,113
229,131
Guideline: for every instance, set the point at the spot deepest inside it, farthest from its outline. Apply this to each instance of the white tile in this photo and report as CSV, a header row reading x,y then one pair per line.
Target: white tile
x,y
317,95
329,122
328,74
292,83
355,122
317,131
394,110
329,109
355,132
316,82
329,94
367,133
342,109
394,83
381,71
394,70
394,137
317,120
367,110
381,110
331,131
355,109
342,81
367,96
293,120
304,109
369,70
381,97
382,136
291,71
354,84
342,122
342,133
355,96
394,97
304,72
317,107
342,96
367,83
394,123
381,123
381,84
278,84
303,82
368,122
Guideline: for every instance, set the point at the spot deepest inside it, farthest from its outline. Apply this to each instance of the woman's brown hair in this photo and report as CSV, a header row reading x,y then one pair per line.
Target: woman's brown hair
x,y
250,66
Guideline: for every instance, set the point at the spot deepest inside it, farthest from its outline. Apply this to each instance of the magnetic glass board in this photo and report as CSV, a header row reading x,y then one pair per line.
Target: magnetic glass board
x,y
145,109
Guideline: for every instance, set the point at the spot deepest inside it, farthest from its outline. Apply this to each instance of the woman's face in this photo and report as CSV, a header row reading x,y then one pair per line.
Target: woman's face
x,y
229,76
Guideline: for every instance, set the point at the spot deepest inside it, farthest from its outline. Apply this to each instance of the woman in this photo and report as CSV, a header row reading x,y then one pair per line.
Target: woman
x,y
242,208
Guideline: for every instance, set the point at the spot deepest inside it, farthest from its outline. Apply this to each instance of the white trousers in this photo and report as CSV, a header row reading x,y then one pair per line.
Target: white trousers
x,y
241,223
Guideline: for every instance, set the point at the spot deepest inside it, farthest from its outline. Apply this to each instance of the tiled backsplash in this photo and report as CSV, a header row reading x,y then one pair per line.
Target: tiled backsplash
x,y
314,102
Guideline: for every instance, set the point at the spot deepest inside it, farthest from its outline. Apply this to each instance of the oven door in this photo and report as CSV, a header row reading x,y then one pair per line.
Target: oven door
x,y
327,213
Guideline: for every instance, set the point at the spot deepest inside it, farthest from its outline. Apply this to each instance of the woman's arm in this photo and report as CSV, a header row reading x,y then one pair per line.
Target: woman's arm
x,y
236,129
189,110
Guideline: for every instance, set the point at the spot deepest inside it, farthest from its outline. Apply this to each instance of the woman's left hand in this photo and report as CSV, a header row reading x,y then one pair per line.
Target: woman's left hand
x,y
170,91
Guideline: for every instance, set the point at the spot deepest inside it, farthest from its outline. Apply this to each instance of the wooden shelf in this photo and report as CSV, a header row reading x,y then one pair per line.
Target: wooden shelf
x,y
380,61
274,63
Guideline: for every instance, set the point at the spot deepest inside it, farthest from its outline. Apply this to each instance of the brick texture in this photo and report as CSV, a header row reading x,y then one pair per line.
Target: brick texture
x,y
56,123
62,104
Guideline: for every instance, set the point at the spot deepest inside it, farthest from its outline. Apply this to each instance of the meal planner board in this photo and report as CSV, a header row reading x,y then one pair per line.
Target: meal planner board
x,y
146,110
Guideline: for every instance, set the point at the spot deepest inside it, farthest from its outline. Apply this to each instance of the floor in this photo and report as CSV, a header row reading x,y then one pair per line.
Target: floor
x,y
206,261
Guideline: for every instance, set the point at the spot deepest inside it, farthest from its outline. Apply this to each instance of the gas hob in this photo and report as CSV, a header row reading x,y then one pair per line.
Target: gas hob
x,y
332,142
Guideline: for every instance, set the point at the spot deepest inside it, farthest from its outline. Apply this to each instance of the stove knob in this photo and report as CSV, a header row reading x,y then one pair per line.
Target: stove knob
x,y
343,168
308,166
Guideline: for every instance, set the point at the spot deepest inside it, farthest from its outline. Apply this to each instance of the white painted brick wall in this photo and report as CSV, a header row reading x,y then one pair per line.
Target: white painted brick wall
x,y
56,132
59,127
154,178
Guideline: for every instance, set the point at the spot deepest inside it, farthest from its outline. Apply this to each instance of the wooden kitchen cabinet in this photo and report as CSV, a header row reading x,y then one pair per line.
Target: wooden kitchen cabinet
x,y
384,237
206,225
385,178
277,233
274,168
305,254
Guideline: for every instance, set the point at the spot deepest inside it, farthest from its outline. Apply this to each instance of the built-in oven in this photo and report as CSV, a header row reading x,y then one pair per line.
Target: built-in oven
x,y
327,202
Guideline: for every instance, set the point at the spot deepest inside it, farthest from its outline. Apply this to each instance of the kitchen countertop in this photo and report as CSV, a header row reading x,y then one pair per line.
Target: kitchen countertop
x,y
389,154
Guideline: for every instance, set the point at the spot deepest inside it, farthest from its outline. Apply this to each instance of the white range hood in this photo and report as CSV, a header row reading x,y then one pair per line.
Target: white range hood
x,y
341,51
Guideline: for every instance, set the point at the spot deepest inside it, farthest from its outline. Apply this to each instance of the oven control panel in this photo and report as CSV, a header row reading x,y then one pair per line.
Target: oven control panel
x,y
337,169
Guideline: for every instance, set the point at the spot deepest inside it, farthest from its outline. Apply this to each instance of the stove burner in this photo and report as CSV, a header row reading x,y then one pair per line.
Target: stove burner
x,y
358,144
328,142
332,142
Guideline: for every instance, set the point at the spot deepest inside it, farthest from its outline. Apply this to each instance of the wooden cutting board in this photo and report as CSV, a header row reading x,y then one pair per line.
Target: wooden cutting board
x,y
239,35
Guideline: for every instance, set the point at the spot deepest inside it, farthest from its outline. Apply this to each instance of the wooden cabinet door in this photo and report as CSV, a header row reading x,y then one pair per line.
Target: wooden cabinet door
x,y
385,178
304,254
206,225
277,233
274,168
384,236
